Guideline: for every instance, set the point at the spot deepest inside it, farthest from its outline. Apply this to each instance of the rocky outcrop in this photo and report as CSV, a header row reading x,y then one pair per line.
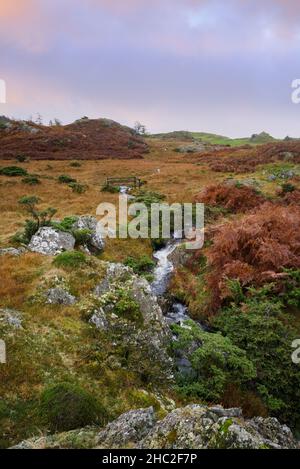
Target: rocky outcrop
x,y
143,330
50,241
95,242
190,427
59,296
128,429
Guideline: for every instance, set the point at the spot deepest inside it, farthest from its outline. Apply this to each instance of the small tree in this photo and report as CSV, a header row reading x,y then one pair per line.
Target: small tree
x,y
140,129
41,217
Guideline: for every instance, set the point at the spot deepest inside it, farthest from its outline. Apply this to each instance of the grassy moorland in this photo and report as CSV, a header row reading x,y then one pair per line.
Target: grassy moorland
x,y
244,284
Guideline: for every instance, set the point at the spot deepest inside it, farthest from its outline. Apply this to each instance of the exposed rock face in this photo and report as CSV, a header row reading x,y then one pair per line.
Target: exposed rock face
x,y
11,317
201,427
50,241
129,428
96,242
59,296
191,427
147,334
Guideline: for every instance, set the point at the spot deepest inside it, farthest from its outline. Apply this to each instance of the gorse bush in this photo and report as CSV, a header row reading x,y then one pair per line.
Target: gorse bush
x,y
13,171
70,260
67,406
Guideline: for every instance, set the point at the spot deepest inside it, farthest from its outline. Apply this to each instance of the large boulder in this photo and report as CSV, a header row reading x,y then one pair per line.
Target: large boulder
x,y
59,296
87,222
50,241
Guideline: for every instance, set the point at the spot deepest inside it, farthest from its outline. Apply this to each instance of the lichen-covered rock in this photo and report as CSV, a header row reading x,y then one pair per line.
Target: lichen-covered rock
x,y
59,296
127,430
12,251
98,319
190,427
144,330
11,317
87,222
50,241
201,427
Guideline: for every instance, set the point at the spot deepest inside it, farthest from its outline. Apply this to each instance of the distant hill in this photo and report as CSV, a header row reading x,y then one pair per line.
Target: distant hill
x,y
89,139
215,139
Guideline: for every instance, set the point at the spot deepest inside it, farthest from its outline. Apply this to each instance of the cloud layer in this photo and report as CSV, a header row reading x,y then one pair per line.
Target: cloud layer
x,y
198,64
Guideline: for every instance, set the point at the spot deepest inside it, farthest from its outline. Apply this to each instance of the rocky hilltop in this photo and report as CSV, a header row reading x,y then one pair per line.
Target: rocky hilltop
x,y
85,139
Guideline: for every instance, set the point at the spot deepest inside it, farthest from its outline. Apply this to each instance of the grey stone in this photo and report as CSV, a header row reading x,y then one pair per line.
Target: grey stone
x,y
50,241
59,296
130,427
12,251
87,222
11,317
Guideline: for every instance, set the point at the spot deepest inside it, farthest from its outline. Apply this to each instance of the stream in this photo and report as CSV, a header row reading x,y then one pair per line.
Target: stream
x,y
162,273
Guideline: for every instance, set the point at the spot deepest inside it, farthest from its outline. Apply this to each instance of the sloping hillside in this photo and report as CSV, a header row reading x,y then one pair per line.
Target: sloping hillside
x,y
85,139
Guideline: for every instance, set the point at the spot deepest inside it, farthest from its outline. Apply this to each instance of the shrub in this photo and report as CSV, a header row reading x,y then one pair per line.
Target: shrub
x,y
82,237
67,406
13,171
31,180
111,189
140,265
78,188
70,259
39,218
66,224
65,179
260,325
21,158
287,187
75,164
215,362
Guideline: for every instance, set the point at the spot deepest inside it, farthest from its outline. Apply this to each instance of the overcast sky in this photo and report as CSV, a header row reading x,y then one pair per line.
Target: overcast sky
x,y
223,66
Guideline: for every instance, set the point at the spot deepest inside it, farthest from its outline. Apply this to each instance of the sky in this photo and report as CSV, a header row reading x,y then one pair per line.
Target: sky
x,y
222,66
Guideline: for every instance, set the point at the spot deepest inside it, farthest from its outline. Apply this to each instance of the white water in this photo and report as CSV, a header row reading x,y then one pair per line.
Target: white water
x,y
163,270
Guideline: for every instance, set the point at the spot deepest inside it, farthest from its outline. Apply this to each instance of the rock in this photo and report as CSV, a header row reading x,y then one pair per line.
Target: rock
x,y
148,334
11,317
12,251
96,242
201,427
59,296
191,427
98,319
50,241
129,428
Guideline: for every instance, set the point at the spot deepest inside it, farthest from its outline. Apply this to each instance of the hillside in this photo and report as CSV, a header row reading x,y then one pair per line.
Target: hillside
x,y
215,139
85,139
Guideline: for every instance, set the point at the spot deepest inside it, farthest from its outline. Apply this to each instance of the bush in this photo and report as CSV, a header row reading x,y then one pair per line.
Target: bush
x,y
31,180
65,179
70,260
261,326
140,265
21,158
66,406
82,237
215,362
66,224
75,164
286,188
111,189
13,171
78,188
